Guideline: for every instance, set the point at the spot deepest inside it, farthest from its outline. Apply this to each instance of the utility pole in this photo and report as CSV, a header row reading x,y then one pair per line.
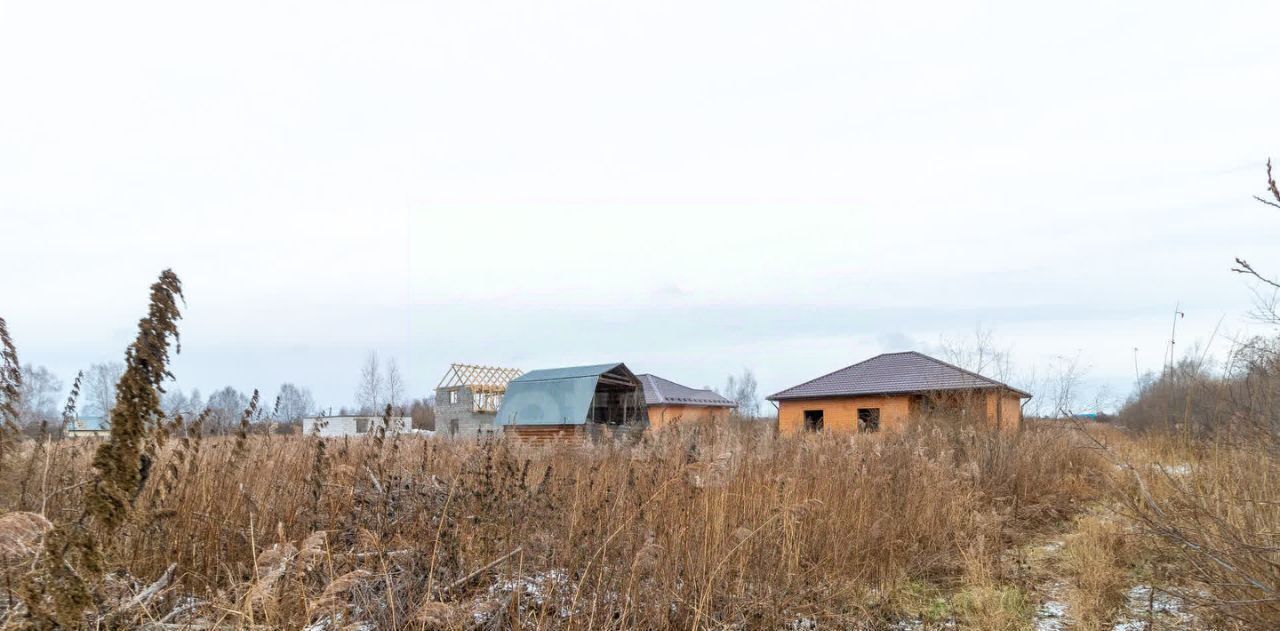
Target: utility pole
x,y
1173,336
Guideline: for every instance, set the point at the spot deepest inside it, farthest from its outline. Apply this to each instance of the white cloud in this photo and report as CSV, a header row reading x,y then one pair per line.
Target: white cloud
x,y
312,169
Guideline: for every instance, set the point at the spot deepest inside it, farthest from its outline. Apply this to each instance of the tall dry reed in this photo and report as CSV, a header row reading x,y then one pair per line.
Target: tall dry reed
x,y
692,528
65,578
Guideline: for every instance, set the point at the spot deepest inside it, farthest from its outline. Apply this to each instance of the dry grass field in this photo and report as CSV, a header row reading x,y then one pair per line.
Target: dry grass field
x,y
1061,525
699,528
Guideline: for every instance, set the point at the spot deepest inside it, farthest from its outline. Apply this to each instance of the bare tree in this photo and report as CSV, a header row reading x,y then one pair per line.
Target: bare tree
x,y
369,392
1267,294
100,388
195,403
225,408
1216,522
175,402
293,403
423,413
979,353
395,386
743,391
1062,385
39,396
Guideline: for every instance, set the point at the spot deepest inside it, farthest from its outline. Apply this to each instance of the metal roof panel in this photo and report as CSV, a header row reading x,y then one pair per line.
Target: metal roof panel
x,y
892,373
570,372
659,391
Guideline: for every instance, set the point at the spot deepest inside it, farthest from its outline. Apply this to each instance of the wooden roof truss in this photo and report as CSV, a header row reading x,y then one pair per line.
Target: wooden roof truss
x,y
486,383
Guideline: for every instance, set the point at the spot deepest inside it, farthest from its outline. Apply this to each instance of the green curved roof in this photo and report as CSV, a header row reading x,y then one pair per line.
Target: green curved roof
x,y
571,372
553,396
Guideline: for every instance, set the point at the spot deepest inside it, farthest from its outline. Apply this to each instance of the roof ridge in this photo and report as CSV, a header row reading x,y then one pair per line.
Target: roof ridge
x,y
782,392
683,394
967,371
598,368
662,398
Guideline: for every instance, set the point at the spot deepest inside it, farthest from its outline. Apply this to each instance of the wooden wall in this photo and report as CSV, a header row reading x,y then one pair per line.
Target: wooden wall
x,y
547,432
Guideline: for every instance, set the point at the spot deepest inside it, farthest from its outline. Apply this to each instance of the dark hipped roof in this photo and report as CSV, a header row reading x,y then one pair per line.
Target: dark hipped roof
x,y
893,373
659,391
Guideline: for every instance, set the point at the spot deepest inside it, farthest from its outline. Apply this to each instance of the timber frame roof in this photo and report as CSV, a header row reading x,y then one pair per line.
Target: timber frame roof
x,y
488,379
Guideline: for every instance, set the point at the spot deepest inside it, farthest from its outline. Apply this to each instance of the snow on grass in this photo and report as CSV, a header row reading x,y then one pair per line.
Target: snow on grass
x,y
1165,610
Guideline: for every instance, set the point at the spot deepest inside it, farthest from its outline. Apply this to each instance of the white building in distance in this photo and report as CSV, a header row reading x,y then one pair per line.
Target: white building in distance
x,y
360,425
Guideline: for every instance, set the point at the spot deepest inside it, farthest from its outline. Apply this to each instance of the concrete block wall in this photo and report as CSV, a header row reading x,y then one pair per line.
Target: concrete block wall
x,y
456,416
351,425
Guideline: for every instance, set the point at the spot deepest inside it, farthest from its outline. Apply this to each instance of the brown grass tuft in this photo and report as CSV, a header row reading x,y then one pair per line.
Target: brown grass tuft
x,y
20,538
1096,560
435,616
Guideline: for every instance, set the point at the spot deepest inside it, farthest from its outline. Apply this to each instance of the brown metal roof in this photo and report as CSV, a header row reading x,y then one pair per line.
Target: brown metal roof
x,y
659,391
892,373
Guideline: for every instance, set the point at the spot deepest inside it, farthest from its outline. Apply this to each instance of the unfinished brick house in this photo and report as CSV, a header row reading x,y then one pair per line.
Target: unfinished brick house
x,y
669,402
468,398
885,391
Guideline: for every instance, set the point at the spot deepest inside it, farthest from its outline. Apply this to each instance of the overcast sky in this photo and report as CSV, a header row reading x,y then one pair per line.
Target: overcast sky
x,y
689,187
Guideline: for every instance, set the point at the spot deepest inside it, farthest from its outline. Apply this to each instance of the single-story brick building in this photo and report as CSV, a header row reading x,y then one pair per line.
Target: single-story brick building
x,y
886,390
669,402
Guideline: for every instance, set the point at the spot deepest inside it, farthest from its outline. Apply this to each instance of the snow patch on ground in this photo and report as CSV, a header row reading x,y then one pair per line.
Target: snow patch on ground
x,y
1165,610
1175,470
1053,614
330,624
538,589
